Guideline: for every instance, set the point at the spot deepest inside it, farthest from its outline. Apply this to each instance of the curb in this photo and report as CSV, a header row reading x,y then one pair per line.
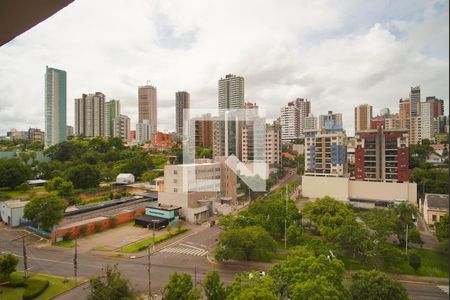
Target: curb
x,y
66,291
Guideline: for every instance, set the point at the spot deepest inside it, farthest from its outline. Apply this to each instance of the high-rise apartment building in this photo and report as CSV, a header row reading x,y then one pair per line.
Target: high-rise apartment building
x,y
304,109
415,130
325,153
404,111
55,106
182,101
253,140
363,115
310,122
147,101
231,92
437,106
382,155
121,127
143,131
112,110
90,115
414,98
427,120
35,134
290,122
227,128
393,122
204,131
331,121
441,125
273,145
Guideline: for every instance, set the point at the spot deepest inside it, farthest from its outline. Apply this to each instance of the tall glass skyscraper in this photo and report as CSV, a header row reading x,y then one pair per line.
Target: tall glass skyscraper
x,y
55,106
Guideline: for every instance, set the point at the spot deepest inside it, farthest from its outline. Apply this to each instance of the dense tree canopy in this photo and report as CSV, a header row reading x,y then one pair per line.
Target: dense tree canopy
x,y
180,287
433,180
374,285
8,264
442,228
304,274
83,176
213,287
111,286
45,211
13,172
248,243
251,286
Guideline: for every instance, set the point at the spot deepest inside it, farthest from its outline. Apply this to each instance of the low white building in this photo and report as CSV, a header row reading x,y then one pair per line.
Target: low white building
x,y
125,178
12,211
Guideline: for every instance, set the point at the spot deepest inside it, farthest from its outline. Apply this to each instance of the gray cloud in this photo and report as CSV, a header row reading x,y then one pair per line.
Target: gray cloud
x,y
335,54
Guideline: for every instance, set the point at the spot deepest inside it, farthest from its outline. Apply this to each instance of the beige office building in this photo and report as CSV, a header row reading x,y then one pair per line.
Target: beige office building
x,y
147,101
363,115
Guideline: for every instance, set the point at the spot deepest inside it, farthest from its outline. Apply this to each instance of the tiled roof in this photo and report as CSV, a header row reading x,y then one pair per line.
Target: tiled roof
x,y
437,201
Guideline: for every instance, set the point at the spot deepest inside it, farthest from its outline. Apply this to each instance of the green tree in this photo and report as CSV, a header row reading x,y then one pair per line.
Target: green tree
x,y
414,261
431,180
111,286
13,172
65,189
317,289
83,176
303,269
374,285
249,243
405,213
251,286
180,287
381,221
45,211
213,287
8,264
149,176
67,150
294,234
442,228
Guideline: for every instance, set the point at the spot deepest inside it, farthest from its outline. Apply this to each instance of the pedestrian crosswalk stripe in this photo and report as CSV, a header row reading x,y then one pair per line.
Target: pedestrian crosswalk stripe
x,y
444,288
186,250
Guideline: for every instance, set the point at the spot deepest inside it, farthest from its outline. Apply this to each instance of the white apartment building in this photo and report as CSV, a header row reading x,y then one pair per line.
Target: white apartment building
x,y
290,122
310,122
122,127
197,187
427,120
144,131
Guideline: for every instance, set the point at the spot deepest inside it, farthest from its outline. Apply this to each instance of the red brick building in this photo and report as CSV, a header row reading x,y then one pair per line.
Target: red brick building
x,y
382,155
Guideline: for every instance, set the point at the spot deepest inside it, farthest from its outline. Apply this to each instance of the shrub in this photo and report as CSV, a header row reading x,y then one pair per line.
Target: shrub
x,y
24,187
98,226
414,261
113,221
67,236
16,282
34,288
83,229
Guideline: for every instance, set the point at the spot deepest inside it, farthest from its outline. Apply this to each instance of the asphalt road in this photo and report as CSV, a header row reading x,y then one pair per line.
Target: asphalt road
x,y
186,255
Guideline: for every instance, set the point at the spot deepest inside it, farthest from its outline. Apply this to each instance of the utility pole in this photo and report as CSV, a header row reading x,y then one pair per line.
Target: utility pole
x,y
285,220
25,263
406,244
149,273
195,277
75,262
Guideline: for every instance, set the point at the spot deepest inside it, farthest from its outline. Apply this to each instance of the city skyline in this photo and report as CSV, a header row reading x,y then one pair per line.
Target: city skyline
x,y
391,51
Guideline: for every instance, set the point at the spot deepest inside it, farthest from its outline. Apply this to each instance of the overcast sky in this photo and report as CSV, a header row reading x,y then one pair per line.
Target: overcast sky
x,y
335,53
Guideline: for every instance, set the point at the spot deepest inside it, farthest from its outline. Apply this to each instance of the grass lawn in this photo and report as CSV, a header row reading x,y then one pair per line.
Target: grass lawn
x,y
433,264
65,244
103,249
142,245
11,194
56,287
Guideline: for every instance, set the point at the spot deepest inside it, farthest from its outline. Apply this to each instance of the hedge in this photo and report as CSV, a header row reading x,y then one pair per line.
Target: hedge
x,y
34,288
